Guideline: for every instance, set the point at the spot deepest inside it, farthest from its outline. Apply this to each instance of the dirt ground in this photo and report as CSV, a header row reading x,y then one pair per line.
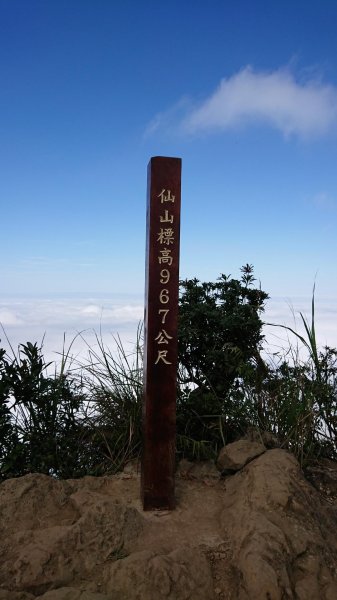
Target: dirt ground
x,y
265,532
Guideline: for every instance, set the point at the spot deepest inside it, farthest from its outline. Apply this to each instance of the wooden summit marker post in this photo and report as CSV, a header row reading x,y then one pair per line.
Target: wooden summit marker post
x,y
161,339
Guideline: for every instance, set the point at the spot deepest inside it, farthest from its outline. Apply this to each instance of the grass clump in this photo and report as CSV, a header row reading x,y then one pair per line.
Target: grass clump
x,y
114,385
300,396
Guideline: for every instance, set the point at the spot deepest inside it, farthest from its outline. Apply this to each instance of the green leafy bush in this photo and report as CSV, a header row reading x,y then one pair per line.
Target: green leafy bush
x,y
220,329
219,341
40,426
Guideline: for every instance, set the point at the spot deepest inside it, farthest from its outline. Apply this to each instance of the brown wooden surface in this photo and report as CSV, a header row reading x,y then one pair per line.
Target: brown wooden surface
x,y
160,351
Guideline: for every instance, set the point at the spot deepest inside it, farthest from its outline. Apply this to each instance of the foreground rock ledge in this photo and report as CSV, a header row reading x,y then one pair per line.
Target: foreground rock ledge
x,y
262,534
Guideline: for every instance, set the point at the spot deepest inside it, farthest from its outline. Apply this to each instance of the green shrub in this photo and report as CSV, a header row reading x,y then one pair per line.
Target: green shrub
x,y
220,329
219,341
40,427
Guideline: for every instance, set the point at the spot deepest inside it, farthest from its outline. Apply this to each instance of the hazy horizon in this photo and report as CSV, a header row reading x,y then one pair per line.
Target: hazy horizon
x,y
76,319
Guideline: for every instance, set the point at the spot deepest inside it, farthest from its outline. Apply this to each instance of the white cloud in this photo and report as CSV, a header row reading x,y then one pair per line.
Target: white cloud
x,y
92,309
49,319
8,317
29,319
127,313
302,108
167,120
119,314
280,311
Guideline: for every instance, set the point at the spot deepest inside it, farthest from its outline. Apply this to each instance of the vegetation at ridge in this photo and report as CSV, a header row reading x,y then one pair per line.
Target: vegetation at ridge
x,y
86,418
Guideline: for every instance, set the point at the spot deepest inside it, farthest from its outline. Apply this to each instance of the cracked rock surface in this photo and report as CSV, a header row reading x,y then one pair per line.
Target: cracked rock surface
x,y
235,456
262,533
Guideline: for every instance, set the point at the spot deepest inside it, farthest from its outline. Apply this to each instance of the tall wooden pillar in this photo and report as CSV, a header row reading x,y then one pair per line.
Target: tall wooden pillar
x,y
161,320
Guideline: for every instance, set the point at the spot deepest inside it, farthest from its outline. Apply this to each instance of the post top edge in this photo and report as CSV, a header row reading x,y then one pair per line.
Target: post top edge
x,y
165,158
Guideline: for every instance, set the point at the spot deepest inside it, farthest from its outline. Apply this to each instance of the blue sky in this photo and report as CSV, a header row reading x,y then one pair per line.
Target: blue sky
x,y
244,92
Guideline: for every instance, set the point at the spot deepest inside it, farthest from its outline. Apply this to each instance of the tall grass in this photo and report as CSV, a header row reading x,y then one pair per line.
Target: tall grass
x,y
301,395
113,381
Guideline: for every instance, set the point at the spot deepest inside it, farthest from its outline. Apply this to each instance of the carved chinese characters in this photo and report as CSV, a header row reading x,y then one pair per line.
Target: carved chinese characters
x,y
161,318
165,237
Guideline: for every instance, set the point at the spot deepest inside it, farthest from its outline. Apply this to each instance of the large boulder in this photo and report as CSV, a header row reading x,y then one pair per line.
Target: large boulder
x,y
282,532
235,456
53,533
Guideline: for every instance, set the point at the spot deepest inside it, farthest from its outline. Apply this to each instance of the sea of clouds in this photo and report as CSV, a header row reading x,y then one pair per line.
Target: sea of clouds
x,y
60,321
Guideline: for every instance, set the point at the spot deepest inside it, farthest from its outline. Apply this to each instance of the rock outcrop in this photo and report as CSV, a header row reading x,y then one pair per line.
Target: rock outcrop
x,y
263,533
282,532
235,456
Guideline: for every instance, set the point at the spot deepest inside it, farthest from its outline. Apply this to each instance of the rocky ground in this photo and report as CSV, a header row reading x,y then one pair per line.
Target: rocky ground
x,y
258,531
